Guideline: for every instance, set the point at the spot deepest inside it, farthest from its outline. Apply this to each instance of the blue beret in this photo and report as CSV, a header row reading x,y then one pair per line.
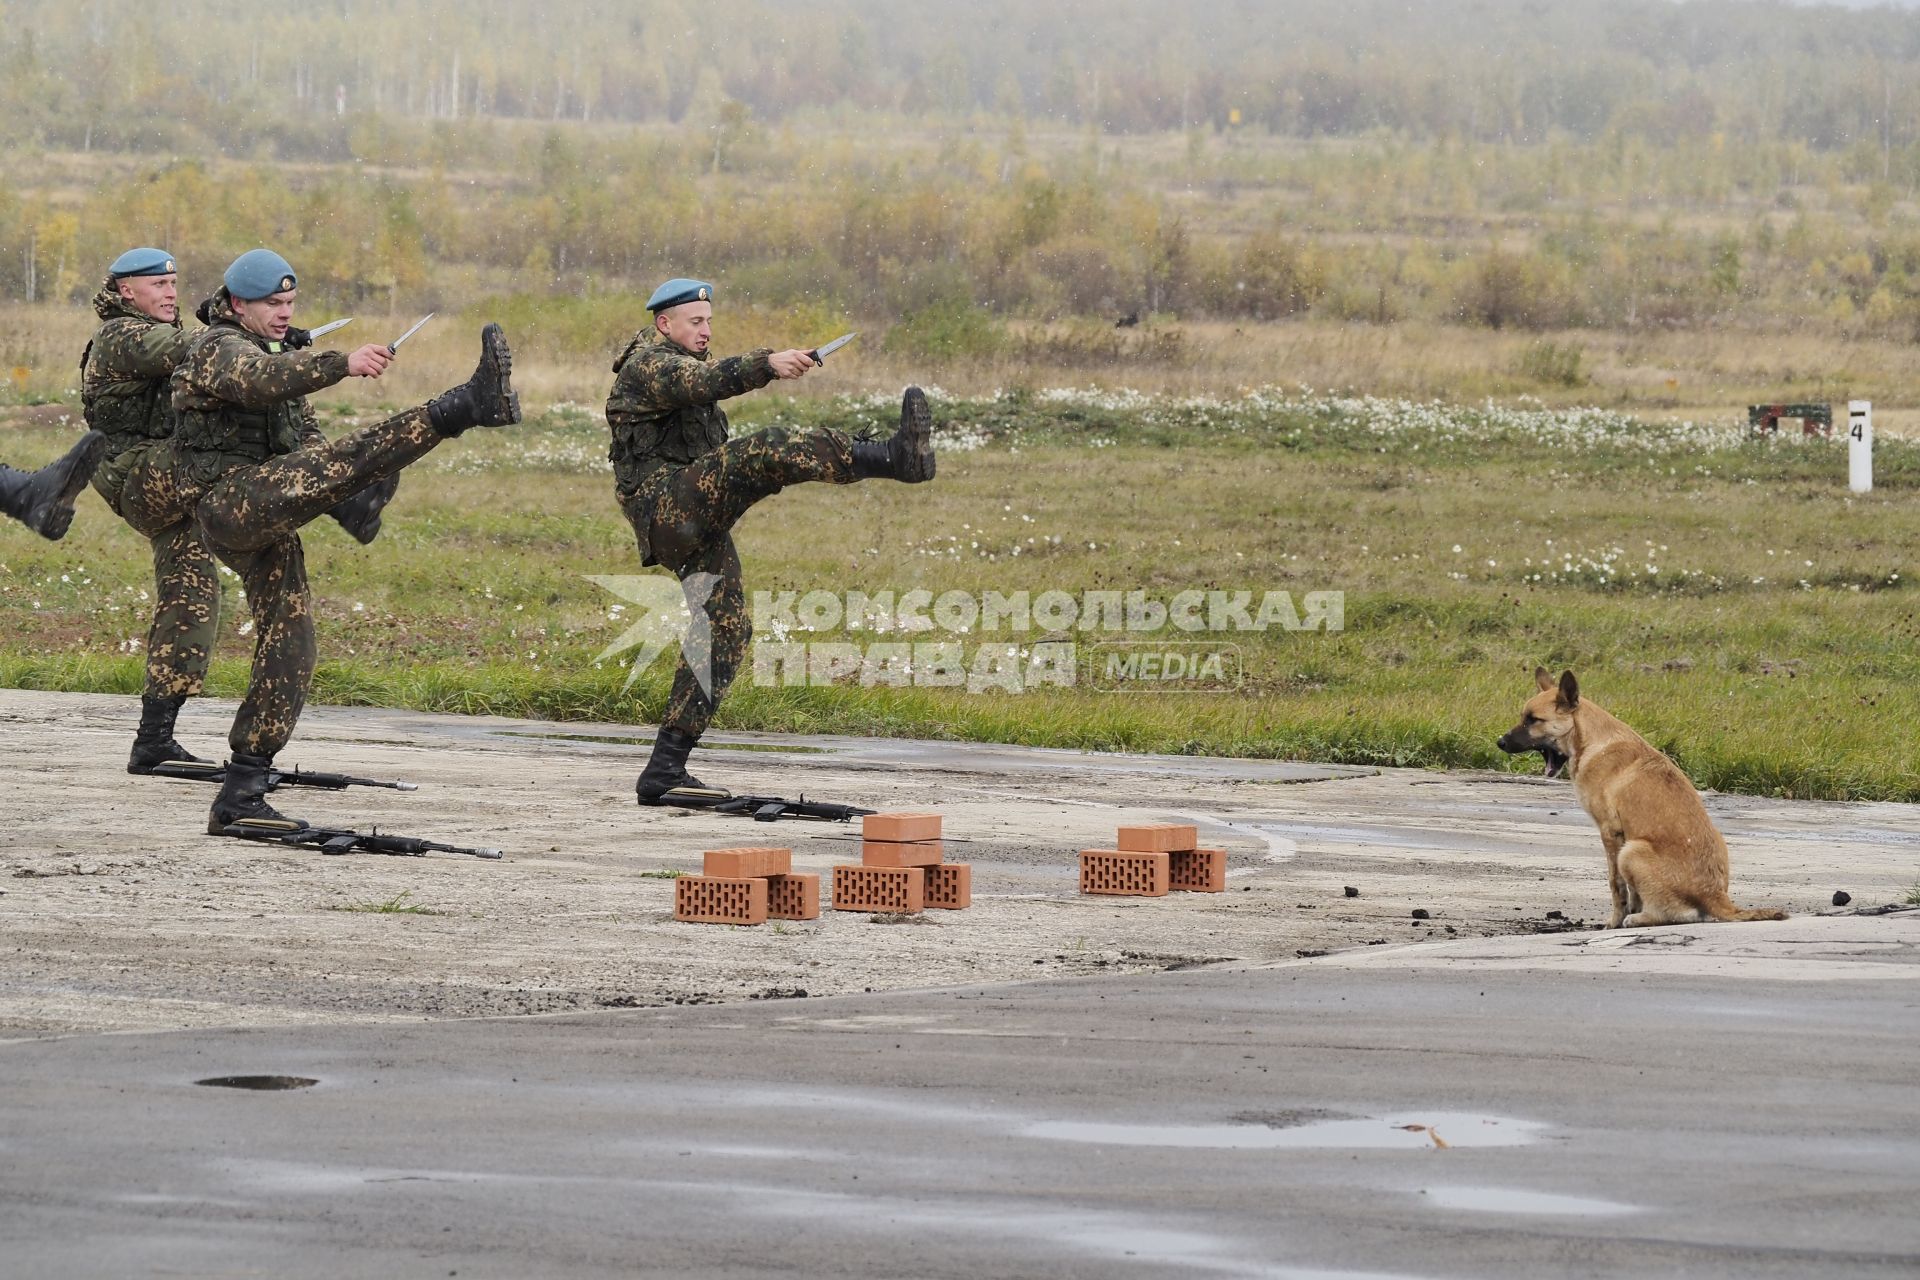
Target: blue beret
x,y
679,290
142,262
259,273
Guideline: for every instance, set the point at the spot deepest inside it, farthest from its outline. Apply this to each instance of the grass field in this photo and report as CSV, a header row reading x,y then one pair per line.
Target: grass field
x,y
1727,597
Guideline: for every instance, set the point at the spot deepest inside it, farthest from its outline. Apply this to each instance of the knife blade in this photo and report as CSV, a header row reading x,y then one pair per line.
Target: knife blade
x,y
393,348
328,328
821,353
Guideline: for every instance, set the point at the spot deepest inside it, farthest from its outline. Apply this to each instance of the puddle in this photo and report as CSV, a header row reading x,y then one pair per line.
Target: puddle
x,y
1394,837
259,1082
574,737
1411,1132
1507,1200
609,739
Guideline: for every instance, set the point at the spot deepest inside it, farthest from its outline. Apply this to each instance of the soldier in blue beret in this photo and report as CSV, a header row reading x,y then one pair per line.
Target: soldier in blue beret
x,y
248,467
683,484
123,392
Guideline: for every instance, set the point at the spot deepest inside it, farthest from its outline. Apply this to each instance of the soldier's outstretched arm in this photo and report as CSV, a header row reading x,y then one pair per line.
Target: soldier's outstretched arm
x,y
238,372
679,381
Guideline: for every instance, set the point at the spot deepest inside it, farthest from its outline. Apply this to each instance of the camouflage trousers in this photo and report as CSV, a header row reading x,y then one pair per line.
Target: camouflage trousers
x,y
186,583
683,518
249,516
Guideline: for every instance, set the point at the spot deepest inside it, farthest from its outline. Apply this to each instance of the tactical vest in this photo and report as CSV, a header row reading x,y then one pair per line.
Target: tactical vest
x,y
671,439
252,434
127,412
644,443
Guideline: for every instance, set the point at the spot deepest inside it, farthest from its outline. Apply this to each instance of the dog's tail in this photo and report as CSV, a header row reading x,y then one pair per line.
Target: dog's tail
x,y
1724,909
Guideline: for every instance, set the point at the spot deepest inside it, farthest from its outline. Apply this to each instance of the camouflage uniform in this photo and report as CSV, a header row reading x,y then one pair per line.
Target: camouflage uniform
x,y
124,394
249,467
683,485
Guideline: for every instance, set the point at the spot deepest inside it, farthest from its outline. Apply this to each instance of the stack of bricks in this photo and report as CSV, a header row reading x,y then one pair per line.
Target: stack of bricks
x,y
902,868
747,886
1153,860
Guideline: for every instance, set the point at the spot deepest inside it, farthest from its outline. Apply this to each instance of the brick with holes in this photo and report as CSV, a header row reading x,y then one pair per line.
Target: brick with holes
x,y
795,896
1197,871
950,886
1124,871
897,853
1158,837
888,889
899,828
720,899
748,861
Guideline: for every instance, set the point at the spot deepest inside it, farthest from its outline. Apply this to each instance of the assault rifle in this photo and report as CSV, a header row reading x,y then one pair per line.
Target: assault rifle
x,y
337,840
767,808
208,771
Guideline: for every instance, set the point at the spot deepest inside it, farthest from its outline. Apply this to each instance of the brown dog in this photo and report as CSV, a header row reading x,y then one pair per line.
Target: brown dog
x,y
1666,864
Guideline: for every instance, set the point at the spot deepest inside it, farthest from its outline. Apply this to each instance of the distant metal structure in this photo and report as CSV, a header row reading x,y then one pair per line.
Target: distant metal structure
x,y
1815,419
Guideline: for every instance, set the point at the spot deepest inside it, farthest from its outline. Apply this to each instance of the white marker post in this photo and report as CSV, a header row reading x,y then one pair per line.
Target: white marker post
x,y
1860,446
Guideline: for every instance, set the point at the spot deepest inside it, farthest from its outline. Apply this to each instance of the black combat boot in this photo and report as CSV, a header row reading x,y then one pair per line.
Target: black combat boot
x,y
487,399
43,500
360,514
666,780
244,795
906,455
154,744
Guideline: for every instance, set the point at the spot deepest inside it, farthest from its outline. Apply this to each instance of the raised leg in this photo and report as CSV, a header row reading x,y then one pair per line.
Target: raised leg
x,y
256,506
705,499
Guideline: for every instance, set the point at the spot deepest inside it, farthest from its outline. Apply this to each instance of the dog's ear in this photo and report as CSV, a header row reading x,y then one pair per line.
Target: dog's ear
x,y
1542,679
1569,691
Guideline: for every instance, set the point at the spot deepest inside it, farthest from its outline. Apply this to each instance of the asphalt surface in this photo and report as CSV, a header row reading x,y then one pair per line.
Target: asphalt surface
x,y
1722,1100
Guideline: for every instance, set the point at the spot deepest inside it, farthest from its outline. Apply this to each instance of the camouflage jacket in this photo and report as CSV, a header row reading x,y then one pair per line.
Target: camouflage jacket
x,y
240,398
124,372
663,412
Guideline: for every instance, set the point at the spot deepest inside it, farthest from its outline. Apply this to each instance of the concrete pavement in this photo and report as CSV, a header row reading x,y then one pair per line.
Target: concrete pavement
x,y
1721,1100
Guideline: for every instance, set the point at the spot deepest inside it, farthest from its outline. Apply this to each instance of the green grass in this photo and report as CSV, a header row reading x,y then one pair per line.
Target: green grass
x,y
397,905
1728,598
668,873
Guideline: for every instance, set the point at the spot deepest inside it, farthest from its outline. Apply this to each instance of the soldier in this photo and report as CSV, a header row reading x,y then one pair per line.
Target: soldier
x,y
123,391
43,500
247,466
683,485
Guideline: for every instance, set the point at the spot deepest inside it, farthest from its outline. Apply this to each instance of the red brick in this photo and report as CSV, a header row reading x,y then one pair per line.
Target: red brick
x,y
891,853
950,886
891,889
748,861
1198,871
1158,837
1123,871
793,897
900,827
720,900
